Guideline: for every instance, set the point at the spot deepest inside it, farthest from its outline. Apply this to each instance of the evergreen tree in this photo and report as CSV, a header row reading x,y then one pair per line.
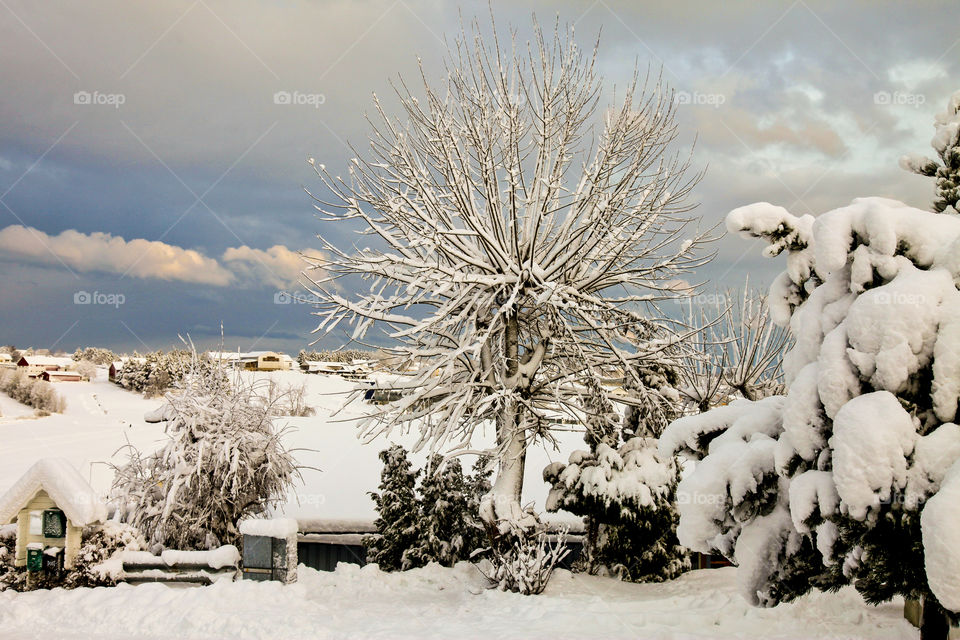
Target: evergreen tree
x,y
625,492
443,528
853,475
946,142
396,504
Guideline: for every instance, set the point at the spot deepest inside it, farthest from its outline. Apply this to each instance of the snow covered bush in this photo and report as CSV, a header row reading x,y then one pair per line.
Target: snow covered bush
x,y
87,369
288,400
519,231
623,489
32,392
838,481
95,565
626,496
437,521
525,560
946,142
223,461
448,523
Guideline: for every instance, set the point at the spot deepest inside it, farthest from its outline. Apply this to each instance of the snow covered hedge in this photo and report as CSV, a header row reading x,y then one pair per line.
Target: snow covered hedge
x,y
32,392
852,475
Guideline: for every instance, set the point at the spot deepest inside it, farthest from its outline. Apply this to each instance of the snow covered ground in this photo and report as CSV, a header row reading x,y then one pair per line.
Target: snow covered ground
x,y
441,603
101,417
365,603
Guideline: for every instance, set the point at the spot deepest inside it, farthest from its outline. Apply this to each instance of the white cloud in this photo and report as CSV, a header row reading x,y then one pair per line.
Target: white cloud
x,y
278,266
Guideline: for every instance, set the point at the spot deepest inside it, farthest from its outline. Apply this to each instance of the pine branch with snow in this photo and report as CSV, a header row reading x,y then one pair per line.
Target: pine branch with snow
x,y
946,170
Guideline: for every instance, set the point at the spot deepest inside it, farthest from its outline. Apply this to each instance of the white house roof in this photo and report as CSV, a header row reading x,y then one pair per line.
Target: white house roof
x,y
49,360
65,486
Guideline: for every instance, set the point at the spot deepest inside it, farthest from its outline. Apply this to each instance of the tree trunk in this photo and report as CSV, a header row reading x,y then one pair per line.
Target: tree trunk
x,y
934,624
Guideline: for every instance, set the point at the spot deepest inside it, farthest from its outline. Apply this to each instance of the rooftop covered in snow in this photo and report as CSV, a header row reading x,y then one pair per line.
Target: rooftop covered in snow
x,y
65,486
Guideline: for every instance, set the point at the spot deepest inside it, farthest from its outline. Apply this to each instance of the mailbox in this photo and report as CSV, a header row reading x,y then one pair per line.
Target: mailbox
x,y
35,557
53,561
54,524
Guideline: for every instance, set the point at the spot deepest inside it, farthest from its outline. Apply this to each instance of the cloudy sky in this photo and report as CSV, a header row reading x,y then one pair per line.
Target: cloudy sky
x,y
150,183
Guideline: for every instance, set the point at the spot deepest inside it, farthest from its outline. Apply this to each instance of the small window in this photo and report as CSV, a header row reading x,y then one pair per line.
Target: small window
x,y
36,523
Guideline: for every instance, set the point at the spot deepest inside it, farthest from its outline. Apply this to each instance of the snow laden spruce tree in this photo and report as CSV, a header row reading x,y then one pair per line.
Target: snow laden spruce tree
x,y
223,460
946,142
515,232
851,476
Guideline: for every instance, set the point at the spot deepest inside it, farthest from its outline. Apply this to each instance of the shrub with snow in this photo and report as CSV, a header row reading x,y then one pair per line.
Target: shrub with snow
x,y
524,560
626,496
837,481
223,461
32,392
396,504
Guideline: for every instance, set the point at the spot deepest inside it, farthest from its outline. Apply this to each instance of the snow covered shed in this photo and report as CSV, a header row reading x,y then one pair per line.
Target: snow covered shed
x,y
51,503
61,376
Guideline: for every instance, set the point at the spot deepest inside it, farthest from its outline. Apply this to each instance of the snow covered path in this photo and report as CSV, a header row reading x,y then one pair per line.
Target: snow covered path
x,y
441,603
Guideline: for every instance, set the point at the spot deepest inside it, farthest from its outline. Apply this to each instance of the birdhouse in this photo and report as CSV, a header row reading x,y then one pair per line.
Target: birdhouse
x,y
50,504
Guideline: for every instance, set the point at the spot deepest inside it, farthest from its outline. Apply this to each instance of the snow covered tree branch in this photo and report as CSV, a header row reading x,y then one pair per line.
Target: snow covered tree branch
x,y
946,142
516,233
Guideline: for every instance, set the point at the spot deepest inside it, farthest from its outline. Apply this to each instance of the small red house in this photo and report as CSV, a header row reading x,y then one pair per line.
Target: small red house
x,y
61,376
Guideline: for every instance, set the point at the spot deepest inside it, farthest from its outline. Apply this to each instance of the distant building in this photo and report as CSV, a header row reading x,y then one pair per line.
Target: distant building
x,y
60,376
356,370
35,365
254,360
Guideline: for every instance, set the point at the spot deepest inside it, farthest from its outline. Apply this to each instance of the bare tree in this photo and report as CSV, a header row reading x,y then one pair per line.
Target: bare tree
x,y
737,350
519,233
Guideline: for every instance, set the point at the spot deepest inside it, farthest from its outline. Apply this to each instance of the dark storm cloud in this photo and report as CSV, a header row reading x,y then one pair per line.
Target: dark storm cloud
x,y
195,120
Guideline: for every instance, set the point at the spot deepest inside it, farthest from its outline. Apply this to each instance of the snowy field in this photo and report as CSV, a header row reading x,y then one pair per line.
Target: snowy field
x,y
441,603
101,418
